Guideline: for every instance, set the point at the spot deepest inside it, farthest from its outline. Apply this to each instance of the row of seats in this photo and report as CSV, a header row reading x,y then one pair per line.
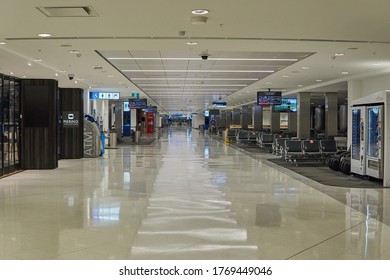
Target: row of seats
x,y
308,149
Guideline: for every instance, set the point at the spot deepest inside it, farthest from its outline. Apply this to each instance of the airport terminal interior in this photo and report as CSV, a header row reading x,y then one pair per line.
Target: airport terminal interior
x,y
198,130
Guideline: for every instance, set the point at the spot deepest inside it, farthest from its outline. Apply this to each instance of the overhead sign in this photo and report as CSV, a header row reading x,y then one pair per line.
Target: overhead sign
x,y
105,95
219,104
126,106
135,103
151,109
135,95
70,119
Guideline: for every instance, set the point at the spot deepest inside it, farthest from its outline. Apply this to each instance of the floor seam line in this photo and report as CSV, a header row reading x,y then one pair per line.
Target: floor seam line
x,y
323,241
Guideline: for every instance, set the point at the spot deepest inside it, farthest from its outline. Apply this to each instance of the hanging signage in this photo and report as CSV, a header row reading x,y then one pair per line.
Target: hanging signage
x,y
135,95
135,103
151,109
105,95
70,119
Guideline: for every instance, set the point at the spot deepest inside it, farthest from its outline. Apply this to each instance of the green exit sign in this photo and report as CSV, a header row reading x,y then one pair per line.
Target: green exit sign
x,y
135,94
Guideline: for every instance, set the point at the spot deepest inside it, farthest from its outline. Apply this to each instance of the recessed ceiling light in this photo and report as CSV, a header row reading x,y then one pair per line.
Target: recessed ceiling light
x,y
110,76
300,85
344,73
318,80
376,64
200,12
285,76
56,74
74,51
3,43
44,35
24,76
11,73
37,60
29,64
339,54
199,58
305,68
192,43
75,82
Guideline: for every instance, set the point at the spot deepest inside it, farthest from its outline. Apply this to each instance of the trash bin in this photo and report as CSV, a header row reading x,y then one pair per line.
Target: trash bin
x,y
113,139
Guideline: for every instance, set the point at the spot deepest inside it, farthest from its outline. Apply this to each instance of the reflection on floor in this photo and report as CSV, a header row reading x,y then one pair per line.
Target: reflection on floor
x,y
186,196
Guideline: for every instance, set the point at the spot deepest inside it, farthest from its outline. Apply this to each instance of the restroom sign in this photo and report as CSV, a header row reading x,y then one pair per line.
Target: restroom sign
x,y
70,119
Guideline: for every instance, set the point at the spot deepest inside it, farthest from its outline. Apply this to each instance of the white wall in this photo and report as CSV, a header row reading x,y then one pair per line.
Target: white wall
x,y
197,120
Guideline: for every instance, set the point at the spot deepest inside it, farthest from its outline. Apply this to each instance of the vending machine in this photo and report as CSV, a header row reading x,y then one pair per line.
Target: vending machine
x,y
374,154
358,147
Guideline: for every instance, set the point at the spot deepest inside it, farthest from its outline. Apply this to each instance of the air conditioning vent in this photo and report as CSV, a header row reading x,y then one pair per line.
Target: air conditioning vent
x,y
82,11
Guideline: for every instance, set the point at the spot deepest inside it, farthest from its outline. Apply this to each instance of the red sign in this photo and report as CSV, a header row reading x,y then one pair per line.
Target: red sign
x,y
149,122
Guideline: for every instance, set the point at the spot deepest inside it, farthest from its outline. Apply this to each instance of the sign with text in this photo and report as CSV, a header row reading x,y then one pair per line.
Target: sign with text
x,y
70,119
135,103
105,95
151,109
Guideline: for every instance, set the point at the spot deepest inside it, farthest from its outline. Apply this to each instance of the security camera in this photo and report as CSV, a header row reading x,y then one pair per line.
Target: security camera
x,y
71,76
204,56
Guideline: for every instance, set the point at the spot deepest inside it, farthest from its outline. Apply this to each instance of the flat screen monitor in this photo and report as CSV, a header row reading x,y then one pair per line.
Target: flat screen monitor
x,y
137,103
269,97
287,105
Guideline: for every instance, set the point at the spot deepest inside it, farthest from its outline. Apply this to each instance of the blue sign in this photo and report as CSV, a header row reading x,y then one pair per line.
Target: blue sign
x,y
105,95
138,103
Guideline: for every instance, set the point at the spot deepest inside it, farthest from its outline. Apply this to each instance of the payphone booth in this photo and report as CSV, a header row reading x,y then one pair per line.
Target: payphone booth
x,y
370,153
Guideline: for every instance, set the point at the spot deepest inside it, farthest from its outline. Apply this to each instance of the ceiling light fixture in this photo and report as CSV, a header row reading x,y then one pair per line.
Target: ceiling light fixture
x,y
110,76
11,73
200,71
318,80
56,74
194,79
3,43
345,73
44,35
305,68
199,58
285,76
37,60
190,85
300,85
200,12
339,54
29,64
74,51
192,43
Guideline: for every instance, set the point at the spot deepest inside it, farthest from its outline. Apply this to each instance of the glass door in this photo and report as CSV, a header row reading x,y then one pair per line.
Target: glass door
x,y
5,126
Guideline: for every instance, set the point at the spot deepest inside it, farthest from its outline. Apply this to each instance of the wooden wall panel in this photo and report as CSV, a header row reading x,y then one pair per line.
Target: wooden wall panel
x,y
39,111
71,100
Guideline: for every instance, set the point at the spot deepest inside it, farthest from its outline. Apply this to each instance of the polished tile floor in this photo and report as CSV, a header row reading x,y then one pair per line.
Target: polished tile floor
x,y
186,196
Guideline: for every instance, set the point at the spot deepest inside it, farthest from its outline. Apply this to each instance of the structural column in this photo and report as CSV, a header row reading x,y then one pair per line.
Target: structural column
x,y
257,117
236,120
331,114
245,117
354,92
303,118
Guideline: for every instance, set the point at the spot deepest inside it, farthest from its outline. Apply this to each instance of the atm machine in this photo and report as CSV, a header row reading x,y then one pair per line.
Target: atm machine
x,y
369,151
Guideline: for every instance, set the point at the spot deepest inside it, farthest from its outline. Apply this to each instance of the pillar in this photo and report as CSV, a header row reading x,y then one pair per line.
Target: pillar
x,y
331,114
236,120
354,92
257,117
245,117
303,115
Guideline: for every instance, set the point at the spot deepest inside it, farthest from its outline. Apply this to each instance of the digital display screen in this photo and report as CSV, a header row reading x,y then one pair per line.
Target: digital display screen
x,y
287,105
138,103
269,97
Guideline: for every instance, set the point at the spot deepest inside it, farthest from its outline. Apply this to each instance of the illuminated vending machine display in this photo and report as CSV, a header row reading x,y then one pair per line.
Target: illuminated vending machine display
x,y
358,149
374,158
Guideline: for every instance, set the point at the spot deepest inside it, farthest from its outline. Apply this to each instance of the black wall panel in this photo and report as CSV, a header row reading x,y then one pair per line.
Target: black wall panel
x,y
71,103
39,111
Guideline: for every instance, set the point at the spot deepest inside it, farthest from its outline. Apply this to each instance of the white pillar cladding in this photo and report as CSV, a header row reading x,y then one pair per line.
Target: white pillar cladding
x,y
303,112
331,114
